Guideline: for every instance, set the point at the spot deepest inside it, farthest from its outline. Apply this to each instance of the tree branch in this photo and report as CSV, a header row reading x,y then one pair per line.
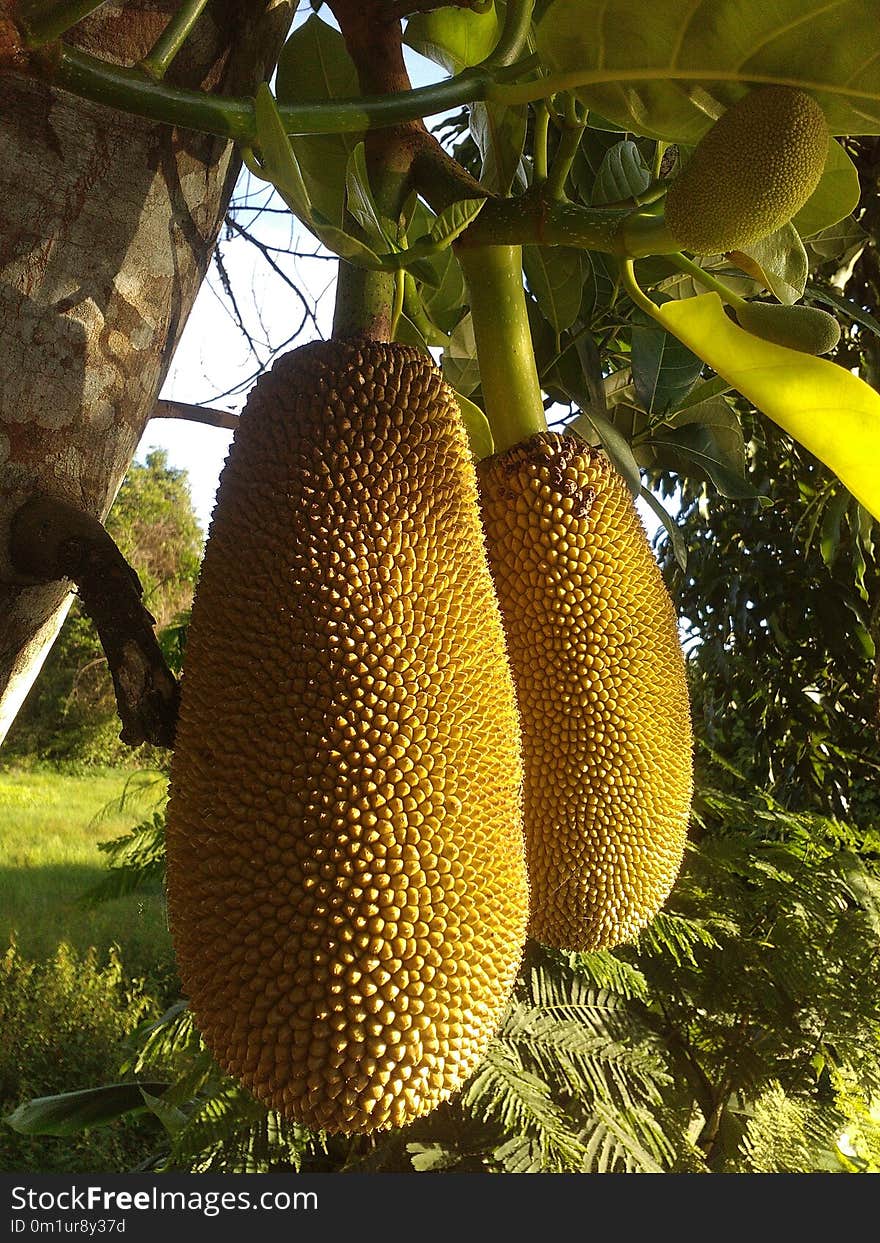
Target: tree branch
x,y
50,540
196,414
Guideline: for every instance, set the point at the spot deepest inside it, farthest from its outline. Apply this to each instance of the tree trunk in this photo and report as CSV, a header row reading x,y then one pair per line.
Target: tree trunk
x,y
107,224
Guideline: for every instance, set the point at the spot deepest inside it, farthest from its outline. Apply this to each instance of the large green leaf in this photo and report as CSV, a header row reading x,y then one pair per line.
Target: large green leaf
x,y
314,65
826,408
835,196
623,174
453,37
500,135
779,262
668,70
663,370
72,1112
556,280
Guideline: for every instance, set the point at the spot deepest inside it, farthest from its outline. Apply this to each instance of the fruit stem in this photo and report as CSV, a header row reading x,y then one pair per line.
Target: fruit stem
x,y
172,38
705,278
512,398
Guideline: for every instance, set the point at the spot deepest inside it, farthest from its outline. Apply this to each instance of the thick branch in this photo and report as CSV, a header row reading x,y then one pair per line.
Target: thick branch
x,y
50,540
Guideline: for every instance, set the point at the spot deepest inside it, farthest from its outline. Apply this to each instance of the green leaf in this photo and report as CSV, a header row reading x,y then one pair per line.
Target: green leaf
x,y
360,201
594,426
699,443
663,370
314,65
279,162
668,70
555,278
831,412
779,262
461,370
835,196
500,135
676,539
72,1112
454,219
172,1118
847,306
829,537
715,387
479,433
453,37
623,174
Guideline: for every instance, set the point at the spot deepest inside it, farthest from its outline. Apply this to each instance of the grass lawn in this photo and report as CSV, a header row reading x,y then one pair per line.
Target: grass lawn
x,y
50,824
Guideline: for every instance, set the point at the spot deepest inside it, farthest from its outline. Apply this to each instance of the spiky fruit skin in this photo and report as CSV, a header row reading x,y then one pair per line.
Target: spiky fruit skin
x,y
346,873
750,173
803,328
600,680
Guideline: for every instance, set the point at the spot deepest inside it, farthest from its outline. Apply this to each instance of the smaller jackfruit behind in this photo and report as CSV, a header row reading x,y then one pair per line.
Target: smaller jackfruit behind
x,y
600,680
750,173
346,874
804,328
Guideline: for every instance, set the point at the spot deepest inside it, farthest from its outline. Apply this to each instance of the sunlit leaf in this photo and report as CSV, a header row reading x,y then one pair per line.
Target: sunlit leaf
x,y
826,408
454,219
669,70
453,37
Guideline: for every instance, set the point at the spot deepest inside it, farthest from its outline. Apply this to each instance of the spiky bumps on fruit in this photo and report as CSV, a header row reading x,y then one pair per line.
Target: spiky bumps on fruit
x,y
346,873
600,680
750,173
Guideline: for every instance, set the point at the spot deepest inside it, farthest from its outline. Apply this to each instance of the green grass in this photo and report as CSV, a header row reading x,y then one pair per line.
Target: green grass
x,y
51,824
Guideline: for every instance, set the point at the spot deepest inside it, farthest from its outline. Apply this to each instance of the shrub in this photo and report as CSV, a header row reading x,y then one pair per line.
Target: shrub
x,y
65,1022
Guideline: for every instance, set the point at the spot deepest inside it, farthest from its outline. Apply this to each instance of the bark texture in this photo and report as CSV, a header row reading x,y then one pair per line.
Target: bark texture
x,y
107,224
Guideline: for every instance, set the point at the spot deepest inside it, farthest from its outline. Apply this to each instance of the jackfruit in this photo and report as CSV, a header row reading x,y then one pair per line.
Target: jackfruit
x,y
750,173
600,679
346,872
804,328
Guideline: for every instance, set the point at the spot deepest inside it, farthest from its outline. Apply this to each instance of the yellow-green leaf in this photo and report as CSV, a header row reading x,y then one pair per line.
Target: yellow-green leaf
x,y
826,408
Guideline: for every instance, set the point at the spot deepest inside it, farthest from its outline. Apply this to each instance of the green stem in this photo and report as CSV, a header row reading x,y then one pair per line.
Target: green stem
x,y
531,218
539,146
364,299
39,26
415,312
509,383
397,306
705,278
567,149
635,291
514,33
128,90
172,38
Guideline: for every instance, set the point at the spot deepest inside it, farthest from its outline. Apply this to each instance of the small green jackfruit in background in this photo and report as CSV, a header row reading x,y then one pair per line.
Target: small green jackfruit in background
x,y
750,173
803,328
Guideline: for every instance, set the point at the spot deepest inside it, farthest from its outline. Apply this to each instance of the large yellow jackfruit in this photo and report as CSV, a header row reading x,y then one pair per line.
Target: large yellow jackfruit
x,y
346,872
750,173
600,679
